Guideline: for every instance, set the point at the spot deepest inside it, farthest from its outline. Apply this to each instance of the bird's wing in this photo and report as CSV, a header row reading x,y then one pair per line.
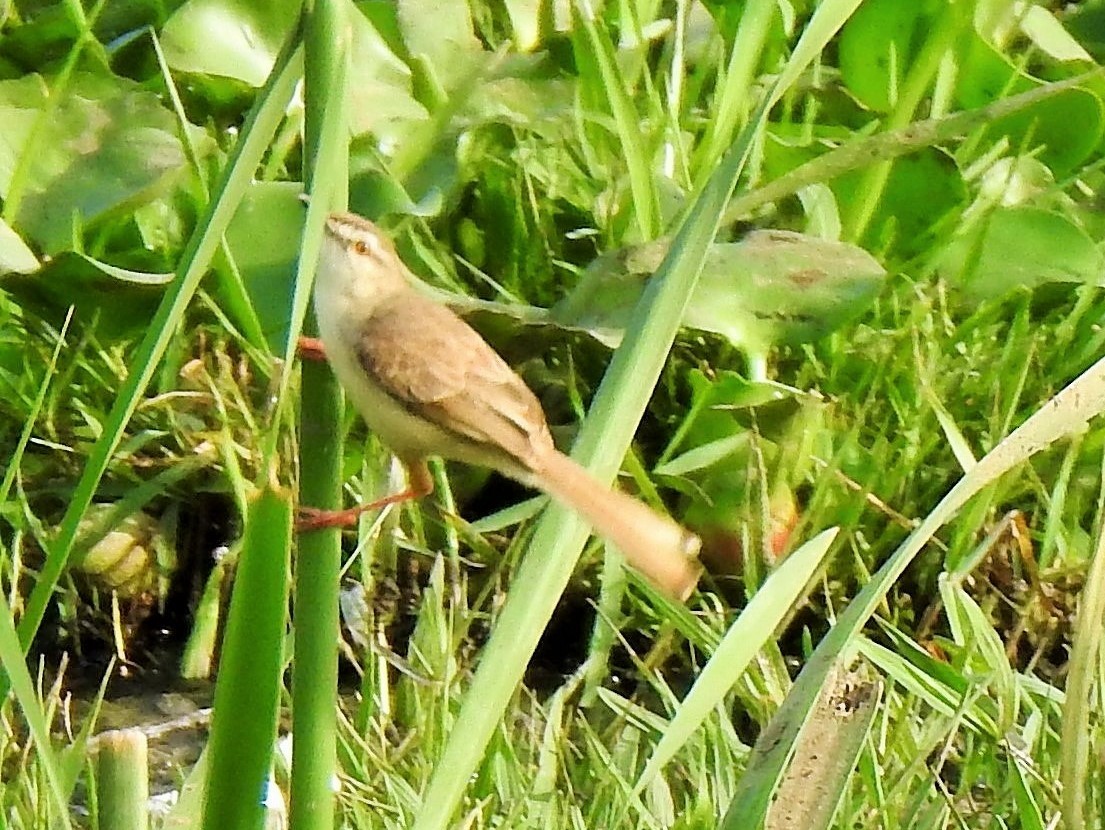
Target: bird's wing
x,y
440,369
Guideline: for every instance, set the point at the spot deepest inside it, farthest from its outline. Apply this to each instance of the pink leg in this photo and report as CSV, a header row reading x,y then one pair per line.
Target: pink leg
x,y
311,348
419,484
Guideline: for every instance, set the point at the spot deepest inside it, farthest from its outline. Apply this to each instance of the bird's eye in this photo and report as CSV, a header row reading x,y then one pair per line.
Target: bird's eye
x,y
361,247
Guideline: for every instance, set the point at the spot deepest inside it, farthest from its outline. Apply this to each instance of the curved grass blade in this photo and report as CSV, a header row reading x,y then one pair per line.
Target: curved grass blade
x,y
602,444
646,202
1066,413
1075,774
15,668
745,637
260,125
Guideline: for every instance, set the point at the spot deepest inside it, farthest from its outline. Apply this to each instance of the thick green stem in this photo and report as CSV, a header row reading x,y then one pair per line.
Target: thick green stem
x,y
315,666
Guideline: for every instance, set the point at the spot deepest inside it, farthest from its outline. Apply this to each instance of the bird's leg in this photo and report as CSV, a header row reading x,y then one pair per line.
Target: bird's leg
x,y
419,483
311,348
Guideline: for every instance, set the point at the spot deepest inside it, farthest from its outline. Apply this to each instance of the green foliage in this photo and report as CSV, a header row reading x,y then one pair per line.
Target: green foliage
x,y
770,289
923,276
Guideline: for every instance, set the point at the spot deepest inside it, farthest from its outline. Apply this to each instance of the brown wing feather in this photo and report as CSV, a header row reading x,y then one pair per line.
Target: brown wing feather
x,y
433,362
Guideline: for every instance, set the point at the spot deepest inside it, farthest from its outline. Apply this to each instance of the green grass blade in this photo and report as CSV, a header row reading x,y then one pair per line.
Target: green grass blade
x,y
827,20
237,298
1078,713
16,456
243,724
938,685
1066,413
187,813
256,133
628,124
1028,810
735,98
754,627
973,631
602,444
11,657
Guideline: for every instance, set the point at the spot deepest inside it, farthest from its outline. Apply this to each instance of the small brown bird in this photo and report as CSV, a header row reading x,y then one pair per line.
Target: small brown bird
x,y
427,384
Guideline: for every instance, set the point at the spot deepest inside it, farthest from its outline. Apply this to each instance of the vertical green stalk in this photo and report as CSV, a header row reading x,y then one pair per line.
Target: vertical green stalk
x,y
638,163
122,780
858,215
256,134
1078,737
315,667
734,100
57,792
243,726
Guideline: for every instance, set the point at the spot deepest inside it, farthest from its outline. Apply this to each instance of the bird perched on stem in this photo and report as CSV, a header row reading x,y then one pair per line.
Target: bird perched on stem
x,y
427,384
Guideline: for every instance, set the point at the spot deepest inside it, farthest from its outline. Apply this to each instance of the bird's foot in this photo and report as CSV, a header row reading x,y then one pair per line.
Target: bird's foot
x,y
314,518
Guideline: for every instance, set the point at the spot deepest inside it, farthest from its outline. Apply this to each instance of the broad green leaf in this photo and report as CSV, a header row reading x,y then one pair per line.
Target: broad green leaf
x,y
1065,128
1046,32
240,40
798,165
1021,247
1086,22
441,38
381,100
228,38
21,101
108,145
770,288
877,45
263,238
123,299
920,191
14,253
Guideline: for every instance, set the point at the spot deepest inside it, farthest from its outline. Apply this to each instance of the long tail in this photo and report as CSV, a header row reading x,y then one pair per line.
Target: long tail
x,y
653,544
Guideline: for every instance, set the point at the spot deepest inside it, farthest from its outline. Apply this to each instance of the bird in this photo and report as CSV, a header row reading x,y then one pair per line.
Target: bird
x,y
427,384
